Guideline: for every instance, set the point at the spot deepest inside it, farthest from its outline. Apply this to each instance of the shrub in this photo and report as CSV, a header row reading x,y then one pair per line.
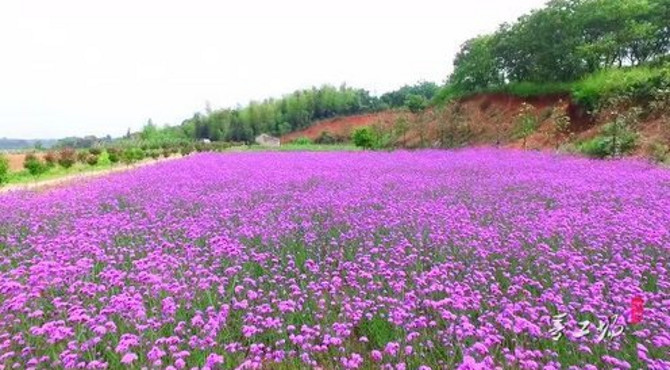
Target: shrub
x,y
166,152
416,103
186,150
363,137
400,128
326,137
127,156
96,150
154,153
132,155
67,157
51,159
659,152
139,154
103,159
4,169
561,124
114,155
302,141
614,140
596,148
92,159
660,104
640,84
526,122
531,89
82,156
382,136
34,165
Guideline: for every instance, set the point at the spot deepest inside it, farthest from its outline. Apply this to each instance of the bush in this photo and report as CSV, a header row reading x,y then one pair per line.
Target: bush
x,y
34,165
186,150
4,169
82,156
659,152
639,84
166,152
154,153
595,148
132,155
127,156
103,159
95,150
531,89
416,103
526,122
382,136
92,159
51,159
114,155
611,143
363,137
326,138
561,124
67,157
302,141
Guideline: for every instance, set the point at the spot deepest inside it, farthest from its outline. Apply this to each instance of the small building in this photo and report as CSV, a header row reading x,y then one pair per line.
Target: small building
x,y
267,140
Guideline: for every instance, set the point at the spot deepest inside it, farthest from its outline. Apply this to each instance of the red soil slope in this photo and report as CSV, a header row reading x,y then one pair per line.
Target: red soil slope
x,y
486,119
489,117
340,127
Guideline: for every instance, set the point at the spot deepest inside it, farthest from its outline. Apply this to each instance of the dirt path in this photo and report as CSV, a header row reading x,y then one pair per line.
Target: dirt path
x,y
45,184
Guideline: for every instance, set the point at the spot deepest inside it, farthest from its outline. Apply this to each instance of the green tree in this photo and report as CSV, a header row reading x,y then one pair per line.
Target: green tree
x,y
562,42
526,122
149,131
363,137
475,66
620,132
34,165
4,169
561,124
416,103
398,98
114,155
132,155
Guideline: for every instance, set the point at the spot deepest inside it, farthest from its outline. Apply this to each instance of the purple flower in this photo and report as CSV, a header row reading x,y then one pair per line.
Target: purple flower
x,y
128,358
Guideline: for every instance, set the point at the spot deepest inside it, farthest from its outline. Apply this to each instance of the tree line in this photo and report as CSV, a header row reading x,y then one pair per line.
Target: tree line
x,y
565,41
292,112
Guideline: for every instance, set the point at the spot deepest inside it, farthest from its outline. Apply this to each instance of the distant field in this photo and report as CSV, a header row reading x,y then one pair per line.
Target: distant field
x,y
471,259
16,161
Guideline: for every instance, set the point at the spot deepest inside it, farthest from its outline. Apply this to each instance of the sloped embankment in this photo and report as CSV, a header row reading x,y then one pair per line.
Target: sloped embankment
x,y
483,119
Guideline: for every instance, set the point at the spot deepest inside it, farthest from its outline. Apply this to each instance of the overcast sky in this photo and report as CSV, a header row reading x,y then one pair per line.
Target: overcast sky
x,y
100,67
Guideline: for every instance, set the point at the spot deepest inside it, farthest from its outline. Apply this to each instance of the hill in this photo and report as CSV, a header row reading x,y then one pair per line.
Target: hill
x,y
489,119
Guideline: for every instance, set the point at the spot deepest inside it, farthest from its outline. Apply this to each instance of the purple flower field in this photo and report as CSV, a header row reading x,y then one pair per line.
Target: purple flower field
x,y
474,259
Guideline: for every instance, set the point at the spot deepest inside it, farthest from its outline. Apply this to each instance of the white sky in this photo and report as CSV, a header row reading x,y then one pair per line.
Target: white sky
x,y
78,67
